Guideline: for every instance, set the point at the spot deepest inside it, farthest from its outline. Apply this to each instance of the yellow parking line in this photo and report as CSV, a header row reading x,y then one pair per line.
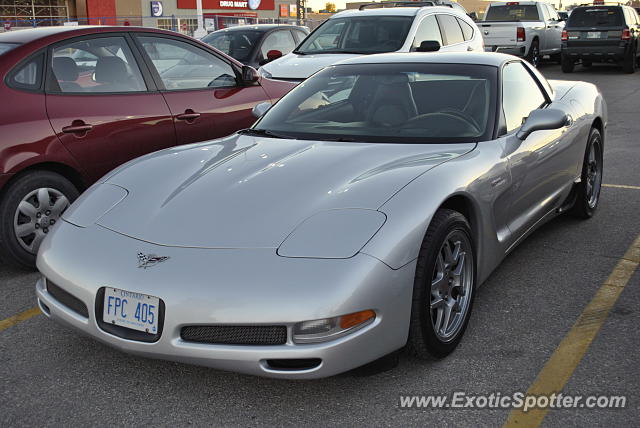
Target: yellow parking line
x,y
22,316
560,367
622,186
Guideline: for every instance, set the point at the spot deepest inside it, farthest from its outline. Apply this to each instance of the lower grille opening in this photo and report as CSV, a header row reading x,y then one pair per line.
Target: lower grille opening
x,y
235,334
44,308
294,364
67,299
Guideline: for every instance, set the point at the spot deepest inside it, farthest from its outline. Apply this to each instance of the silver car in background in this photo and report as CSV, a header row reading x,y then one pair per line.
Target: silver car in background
x,y
356,217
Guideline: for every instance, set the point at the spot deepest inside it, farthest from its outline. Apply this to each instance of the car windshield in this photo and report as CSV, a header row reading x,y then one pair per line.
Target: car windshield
x,y
513,12
6,47
596,16
364,35
401,103
237,44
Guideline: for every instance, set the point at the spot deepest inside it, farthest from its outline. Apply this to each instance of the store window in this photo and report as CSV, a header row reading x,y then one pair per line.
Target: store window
x,y
26,13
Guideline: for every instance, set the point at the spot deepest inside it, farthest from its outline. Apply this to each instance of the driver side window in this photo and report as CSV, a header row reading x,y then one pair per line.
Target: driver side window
x,y
520,95
428,30
181,65
280,40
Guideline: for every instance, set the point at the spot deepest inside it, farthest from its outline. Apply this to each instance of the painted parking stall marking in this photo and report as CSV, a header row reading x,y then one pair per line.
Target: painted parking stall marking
x,y
621,186
560,367
22,316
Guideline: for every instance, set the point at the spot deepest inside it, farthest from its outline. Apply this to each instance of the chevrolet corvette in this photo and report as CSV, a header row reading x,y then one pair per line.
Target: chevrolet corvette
x,y
357,216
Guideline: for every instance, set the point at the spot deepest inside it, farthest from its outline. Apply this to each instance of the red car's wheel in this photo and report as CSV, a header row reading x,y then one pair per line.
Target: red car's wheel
x,y
31,206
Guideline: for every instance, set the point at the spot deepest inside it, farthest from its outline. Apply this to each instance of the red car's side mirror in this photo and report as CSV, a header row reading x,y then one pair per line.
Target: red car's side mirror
x,y
273,54
249,75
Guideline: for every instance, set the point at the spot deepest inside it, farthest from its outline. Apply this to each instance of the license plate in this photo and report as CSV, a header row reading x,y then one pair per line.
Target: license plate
x,y
131,310
594,34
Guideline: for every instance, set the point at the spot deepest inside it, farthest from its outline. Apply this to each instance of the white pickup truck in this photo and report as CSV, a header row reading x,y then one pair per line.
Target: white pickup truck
x,y
529,29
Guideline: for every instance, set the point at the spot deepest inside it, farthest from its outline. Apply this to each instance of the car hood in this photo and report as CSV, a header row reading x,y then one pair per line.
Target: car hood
x,y
251,192
293,66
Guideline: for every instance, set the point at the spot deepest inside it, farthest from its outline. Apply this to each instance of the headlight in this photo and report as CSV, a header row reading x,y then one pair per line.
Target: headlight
x,y
264,73
333,234
94,203
331,328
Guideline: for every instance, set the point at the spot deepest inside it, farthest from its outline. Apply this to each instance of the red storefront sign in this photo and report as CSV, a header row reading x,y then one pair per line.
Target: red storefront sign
x,y
229,4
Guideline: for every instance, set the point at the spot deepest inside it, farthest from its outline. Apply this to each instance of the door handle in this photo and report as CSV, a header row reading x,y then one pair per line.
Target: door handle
x,y
189,115
77,127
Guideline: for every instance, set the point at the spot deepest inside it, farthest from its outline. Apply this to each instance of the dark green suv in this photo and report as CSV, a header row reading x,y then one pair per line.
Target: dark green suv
x,y
601,34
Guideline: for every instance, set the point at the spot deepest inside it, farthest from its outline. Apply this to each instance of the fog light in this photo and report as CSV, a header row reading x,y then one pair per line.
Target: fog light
x,y
323,330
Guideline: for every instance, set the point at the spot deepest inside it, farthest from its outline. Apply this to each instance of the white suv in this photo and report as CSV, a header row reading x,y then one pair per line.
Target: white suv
x,y
383,29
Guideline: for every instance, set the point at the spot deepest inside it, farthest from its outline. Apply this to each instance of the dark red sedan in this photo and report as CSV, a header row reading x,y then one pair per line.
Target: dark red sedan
x,y
75,102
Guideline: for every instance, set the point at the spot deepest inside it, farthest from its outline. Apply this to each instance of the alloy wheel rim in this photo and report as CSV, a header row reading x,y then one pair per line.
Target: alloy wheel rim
x,y
594,174
451,286
535,58
37,212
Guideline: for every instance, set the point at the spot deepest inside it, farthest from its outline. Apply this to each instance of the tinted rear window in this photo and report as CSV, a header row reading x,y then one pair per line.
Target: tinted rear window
x,y
595,17
6,47
512,13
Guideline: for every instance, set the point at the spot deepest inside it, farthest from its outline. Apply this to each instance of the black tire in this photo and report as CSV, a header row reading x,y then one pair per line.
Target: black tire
x,y
567,64
585,205
11,251
586,64
630,62
533,56
423,340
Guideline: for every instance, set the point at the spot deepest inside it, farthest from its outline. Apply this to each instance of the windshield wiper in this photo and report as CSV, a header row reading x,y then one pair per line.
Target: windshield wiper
x,y
264,133
299,52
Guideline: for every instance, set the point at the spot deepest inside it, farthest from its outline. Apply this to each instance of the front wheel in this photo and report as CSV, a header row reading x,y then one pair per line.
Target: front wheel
x,y
533,56
31,206
588,191
444,286
567,64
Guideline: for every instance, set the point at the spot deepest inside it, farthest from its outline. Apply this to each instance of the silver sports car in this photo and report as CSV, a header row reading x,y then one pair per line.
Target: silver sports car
x,y
356,217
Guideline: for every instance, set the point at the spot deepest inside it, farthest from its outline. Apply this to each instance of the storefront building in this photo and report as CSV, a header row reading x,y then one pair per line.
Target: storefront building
x,y
180,15
177,15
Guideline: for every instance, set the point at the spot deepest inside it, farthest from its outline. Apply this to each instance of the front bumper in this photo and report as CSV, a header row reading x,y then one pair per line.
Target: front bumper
x,y
230,287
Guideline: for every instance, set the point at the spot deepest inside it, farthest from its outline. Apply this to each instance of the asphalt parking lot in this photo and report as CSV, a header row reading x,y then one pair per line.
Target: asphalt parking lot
x,y
53,376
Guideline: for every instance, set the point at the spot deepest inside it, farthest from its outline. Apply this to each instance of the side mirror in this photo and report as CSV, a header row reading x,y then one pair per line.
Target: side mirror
x,y
273,54
429,46
249,75
260,109
543,119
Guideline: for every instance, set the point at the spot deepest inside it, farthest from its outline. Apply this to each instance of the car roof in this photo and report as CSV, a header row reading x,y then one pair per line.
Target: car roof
x,y
394,11
517,3
477,58
32,34
258,27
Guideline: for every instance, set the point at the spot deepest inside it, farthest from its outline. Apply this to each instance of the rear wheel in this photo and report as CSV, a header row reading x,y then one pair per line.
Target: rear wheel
x,y
31,206
630,63
588,191
567,64
444,286
533,56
